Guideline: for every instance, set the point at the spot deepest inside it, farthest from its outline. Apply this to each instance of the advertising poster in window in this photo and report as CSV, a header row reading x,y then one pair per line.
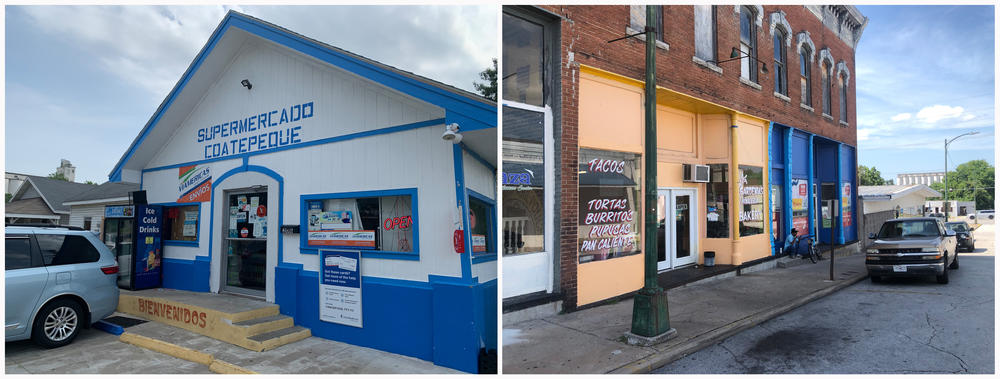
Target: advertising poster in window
x,y
845,202
751,188
609,205
340,287
383,223
194,184
148,252
800,204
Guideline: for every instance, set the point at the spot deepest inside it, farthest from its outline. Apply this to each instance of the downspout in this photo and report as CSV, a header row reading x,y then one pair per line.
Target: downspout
x,y
734,197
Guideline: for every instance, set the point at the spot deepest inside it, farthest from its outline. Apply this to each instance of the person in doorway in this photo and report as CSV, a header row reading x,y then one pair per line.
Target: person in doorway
x,y
790,242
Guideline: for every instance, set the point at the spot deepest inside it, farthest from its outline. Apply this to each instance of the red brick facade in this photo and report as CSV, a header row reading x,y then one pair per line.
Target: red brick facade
x,y
585,31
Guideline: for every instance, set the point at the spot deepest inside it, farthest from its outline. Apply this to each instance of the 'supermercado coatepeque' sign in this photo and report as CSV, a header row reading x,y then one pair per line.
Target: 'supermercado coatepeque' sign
x,y
258,132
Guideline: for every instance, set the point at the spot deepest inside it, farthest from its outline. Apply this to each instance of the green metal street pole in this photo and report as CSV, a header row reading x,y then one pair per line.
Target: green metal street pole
x,y
650,318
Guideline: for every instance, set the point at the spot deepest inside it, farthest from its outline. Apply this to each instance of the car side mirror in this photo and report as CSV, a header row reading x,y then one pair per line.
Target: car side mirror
x,y
871,236
949,233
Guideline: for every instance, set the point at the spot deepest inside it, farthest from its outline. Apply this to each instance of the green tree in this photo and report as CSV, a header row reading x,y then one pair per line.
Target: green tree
x,y
58,176
488,89
869,176
7,197
91,183
971,181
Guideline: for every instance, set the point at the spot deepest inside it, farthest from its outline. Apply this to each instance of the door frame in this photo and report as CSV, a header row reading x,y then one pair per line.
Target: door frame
x,y
669,242
224,287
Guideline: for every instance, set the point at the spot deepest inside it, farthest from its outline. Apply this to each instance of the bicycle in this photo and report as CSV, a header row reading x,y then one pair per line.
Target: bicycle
x,y
812,253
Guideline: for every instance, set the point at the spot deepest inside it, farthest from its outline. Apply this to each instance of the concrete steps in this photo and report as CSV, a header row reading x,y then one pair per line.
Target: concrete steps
x,y
252,324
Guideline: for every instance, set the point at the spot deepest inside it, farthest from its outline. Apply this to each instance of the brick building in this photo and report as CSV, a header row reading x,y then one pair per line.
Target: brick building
x,y
734,137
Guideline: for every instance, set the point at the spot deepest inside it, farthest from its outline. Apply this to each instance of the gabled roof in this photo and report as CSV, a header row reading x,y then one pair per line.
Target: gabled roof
x,y
109,191
471,111
33,208
896,191
53,191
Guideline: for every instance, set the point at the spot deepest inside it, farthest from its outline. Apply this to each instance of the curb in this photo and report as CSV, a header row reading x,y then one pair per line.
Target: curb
x,y
184,353
656,360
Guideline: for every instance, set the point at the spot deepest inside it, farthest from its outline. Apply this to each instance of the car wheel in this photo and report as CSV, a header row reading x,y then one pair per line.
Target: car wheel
x,y
57,324
954,263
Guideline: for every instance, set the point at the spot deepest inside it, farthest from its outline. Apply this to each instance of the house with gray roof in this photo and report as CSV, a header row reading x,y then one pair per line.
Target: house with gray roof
x,y
40,200
907,199
87,208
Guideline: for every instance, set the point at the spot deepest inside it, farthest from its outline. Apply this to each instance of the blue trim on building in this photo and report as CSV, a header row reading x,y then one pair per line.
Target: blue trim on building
x,y
197,240
470,113
305,248
187,275
840,196
787,156
770,179
812,184
491,240
462,195
459,316
346,137
281,203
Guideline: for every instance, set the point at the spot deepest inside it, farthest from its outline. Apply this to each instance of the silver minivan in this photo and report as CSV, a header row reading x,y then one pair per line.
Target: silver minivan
x,y
57,281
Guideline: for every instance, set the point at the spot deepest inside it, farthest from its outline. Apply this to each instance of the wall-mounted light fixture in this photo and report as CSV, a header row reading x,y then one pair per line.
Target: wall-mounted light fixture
x,y
246,83
736,54
451,133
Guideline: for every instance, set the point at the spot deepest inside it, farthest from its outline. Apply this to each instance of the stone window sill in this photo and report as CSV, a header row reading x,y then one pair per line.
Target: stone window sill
x,y
844,124
806,107
706,64
642,37
749,83
783,97
828,117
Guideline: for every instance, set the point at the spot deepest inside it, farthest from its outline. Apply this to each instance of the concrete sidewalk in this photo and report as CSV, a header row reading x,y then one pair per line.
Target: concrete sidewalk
x,y
312,355
592,340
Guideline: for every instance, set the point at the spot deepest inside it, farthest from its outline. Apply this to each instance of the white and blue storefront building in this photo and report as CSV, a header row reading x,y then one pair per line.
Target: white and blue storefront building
x,y
273,147
804,170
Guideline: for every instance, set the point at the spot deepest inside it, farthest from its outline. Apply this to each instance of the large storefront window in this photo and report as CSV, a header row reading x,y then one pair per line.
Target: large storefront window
x,y
717,202
383,223
181,223
522,61
523,181
751,189
609,205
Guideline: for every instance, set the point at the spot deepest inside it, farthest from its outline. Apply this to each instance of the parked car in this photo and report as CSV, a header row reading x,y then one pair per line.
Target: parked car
x,y
58,279
964,234
912,247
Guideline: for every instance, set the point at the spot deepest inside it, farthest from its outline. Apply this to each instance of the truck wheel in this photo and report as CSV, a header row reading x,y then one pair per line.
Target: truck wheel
x,y
954,264
943,278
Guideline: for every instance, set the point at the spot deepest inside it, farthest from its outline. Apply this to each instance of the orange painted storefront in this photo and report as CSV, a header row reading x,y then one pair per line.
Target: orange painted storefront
x,y
689,131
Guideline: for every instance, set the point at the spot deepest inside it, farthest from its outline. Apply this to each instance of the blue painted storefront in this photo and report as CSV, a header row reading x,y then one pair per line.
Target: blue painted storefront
x,y
797,155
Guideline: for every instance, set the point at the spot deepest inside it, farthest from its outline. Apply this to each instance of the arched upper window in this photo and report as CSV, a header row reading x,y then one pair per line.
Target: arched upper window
x,y
805,74
843,97
748,42
780,66
826,65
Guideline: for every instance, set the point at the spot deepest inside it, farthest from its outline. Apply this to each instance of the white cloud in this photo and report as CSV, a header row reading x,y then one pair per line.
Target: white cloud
x,y
901,117
968,116
937,113
863,134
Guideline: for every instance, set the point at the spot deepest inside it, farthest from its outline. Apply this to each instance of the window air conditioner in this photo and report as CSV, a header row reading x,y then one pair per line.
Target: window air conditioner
x,y
696,173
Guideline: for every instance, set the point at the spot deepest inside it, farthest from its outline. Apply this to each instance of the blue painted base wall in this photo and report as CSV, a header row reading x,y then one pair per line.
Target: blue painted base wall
x,y
444,322
187,275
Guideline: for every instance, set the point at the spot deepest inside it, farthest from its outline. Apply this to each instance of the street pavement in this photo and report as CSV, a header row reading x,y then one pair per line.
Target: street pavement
x,y
901,326
592,340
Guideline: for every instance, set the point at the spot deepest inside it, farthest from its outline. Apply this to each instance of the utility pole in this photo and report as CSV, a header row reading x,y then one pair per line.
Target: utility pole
x,y
650,317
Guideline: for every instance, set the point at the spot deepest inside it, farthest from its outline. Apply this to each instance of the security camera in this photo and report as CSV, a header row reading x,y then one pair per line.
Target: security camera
x,y
451,133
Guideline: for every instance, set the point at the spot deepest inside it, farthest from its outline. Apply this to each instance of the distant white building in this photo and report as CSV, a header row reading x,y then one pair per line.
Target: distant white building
x,y
925,178
907,199
955,208
67,170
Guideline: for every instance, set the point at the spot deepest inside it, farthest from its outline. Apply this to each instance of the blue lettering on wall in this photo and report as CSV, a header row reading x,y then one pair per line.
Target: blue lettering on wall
x,y
516,179
244,141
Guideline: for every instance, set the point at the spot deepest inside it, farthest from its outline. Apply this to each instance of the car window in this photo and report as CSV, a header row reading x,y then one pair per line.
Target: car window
x,y
957,227
921,228
18,252
58,249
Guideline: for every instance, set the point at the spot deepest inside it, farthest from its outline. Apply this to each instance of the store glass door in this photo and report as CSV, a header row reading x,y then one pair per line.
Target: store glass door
x,y
676,229
118,237
245,243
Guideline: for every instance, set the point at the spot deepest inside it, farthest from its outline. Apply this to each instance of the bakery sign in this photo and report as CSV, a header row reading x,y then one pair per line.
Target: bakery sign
x,y
753,196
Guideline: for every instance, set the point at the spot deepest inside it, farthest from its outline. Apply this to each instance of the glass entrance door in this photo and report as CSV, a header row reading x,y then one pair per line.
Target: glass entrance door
x,y
245,243
676,229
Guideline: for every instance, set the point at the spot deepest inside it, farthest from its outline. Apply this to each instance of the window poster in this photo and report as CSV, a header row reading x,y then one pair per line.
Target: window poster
x,y
800,205
340,287
845,202
751,189
609,218
190,223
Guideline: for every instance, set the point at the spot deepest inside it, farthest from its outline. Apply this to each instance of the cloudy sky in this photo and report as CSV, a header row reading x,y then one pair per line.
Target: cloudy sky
x,y
82,81
924,74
